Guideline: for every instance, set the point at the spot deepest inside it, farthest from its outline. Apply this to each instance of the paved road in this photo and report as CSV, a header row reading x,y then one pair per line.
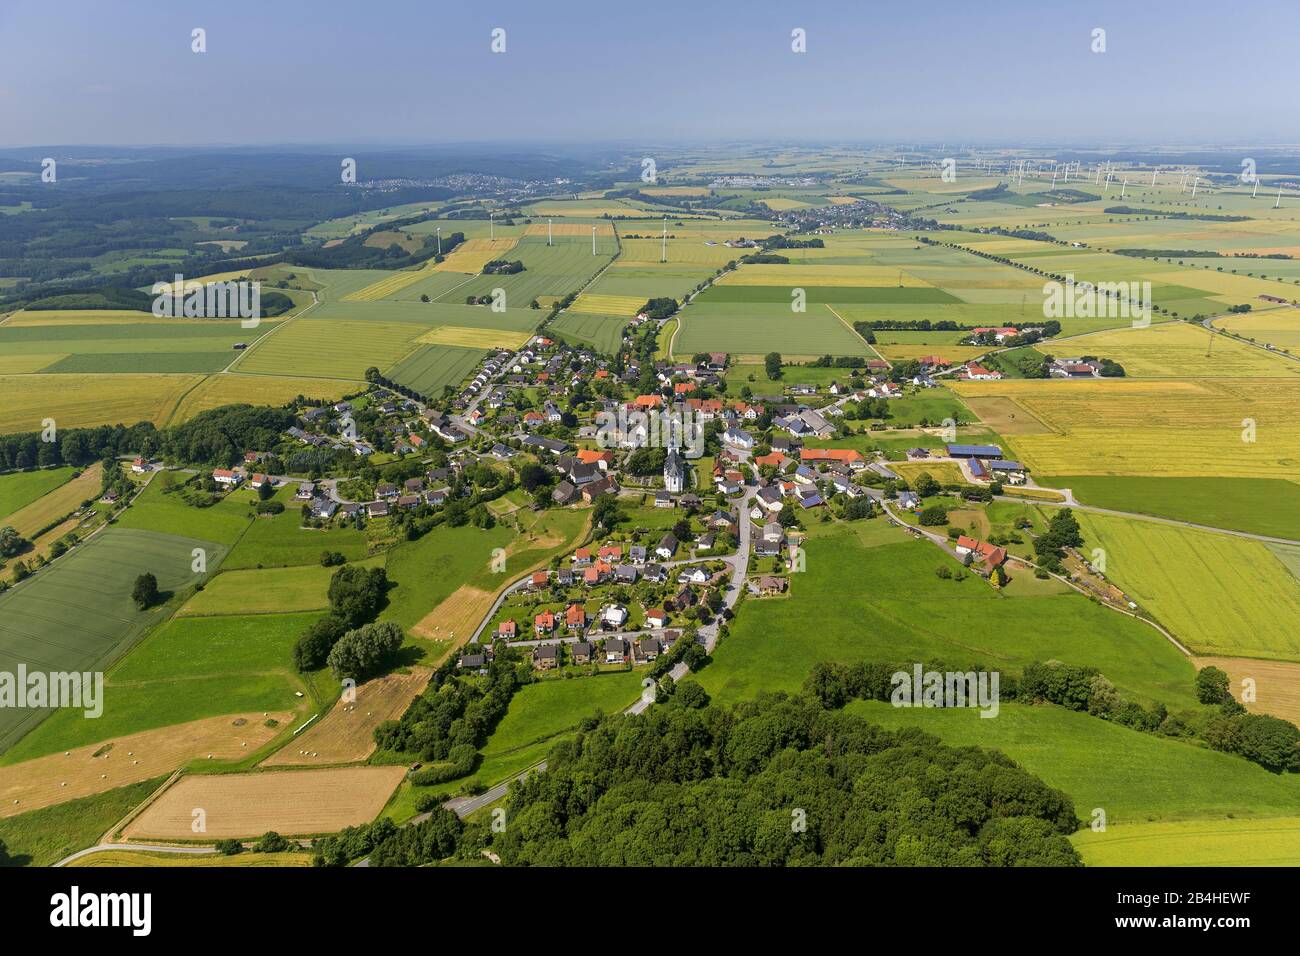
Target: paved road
x,y
1209,324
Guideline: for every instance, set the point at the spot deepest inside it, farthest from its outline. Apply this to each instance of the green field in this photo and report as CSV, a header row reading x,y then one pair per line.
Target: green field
x,y
1217,593
157,510
116,346
22,488
281,541
432,367
604,333
196,647
262,591
78,615
1268,506
759,329
890,605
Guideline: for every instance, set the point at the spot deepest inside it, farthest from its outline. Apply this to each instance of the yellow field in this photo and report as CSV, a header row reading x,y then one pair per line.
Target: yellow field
x,y
60,777
575,228
197,282
1180,350
63,500
1225,842
119,858
1004,416
246,805
944,472
1218,593
1277,684
83,401
332,348
842,200
347,733
80,317
225,388
14,364
607,304
950,353
592,209
474,338
791,275
782,203
473,254
1160,428
389,285
1279,327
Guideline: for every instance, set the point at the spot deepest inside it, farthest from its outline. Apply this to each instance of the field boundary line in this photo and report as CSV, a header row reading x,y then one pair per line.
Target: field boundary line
x,y
854,333
315,301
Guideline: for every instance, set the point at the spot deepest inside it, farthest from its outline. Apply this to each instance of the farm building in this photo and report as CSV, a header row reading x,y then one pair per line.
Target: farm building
x,y
974,451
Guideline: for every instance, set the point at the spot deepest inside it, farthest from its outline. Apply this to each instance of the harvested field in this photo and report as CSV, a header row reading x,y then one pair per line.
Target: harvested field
x,y
61,777
1004,416
456,617
226,388
346,733
1277,684
246,805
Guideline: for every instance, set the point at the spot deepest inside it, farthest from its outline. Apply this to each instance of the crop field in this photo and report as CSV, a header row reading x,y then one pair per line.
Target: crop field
x,y
623,305
1276,684
602,332
951,354
473,254
556,269
1154,428
21,489
389,286
1217,593
227,388
83,401
346,733
755,330
122,346
821,275
77,615
580,207
1273,841
1177,350
120,761
1269,506
1278,327
290,802
332,348
432,367
570,229
690,251
474,338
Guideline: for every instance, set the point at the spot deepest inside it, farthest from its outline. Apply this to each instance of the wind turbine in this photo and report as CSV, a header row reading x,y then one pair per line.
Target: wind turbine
x,y
1278,204
593,240
548,232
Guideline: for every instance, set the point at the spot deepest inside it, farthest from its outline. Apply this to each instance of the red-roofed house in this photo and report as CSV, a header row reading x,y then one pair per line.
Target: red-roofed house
x,y
544,623
575,617
845,456
987,554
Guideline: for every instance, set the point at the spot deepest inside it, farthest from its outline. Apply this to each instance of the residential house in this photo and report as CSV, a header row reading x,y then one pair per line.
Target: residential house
x,y
546,657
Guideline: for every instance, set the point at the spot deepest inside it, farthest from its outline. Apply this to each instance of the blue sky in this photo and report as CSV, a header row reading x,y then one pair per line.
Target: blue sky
x,y
290,71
